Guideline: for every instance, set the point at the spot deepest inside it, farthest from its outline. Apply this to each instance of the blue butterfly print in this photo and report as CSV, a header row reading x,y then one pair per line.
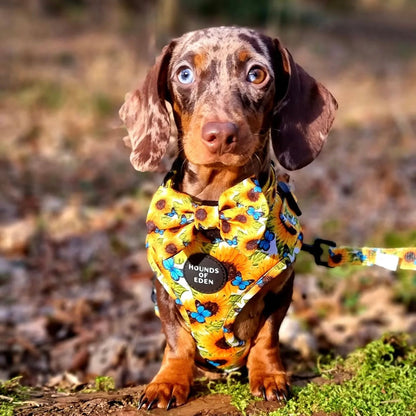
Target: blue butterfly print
x,y
288,223
201,314
238,281
257,188
184,220
223,217
255,214
172,213
175,273
292,220
213,363
363,257
216,240
159,231
178,301
289,218
288,255
232,242
265,243
356,254
291,256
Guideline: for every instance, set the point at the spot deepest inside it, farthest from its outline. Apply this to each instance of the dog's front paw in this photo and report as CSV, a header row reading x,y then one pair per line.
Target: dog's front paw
x,y
270,386
164,395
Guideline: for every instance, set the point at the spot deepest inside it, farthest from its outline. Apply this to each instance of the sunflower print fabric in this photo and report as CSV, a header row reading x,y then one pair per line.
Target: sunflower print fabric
x,y
389,258
249,238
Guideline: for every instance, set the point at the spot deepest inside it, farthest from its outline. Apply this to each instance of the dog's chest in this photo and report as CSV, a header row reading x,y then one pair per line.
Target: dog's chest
x,y
213,259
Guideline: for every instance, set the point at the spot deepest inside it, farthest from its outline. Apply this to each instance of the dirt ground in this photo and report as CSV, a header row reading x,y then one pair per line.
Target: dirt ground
x,y
124,403
74,282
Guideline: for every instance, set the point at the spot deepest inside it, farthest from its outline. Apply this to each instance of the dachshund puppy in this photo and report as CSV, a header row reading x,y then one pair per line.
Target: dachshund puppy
x,y
222,230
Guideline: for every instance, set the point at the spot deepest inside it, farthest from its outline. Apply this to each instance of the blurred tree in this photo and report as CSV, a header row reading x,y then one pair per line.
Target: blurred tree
x,y
59,7
168,22
136,6
243,12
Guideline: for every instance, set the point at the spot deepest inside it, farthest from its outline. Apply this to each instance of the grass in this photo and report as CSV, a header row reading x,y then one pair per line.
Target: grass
x,y
59,115
377,380
234,387
104,383
11,395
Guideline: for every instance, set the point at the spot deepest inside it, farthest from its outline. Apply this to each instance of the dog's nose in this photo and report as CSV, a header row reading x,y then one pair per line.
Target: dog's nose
x,y
220,137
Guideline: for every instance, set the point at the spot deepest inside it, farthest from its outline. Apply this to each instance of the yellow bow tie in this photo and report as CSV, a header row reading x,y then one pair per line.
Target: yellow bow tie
x,y
240,216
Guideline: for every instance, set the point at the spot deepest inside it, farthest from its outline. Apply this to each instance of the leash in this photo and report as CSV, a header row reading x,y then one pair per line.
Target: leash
x,y
389,258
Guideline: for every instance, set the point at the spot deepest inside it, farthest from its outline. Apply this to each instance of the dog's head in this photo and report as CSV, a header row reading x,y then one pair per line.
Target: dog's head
x,y
228,88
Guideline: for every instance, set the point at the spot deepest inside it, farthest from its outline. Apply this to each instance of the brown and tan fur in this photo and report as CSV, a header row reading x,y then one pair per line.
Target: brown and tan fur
x,y
246,92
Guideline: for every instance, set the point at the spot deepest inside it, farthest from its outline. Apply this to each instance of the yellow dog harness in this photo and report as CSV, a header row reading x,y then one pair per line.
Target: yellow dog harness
x,y
213,258
247,239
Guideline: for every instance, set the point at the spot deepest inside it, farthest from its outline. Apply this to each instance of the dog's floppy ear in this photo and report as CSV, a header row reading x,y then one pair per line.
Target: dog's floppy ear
x,y
303,113
146,117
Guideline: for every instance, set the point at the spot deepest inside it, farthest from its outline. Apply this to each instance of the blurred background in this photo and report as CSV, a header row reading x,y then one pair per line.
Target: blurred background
x,y
74,282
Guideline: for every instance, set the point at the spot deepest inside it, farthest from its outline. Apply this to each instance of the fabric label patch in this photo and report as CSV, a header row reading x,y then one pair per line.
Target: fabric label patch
x,y
205,273
388,261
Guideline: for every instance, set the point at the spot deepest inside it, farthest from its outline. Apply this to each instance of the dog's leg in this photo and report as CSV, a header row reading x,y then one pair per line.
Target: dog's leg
x,y
267,375
171,385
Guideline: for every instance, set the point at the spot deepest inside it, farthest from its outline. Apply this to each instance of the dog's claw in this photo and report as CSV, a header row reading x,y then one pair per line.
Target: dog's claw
x,y
277,395
263,393
171,403
289,392
152,403
143,400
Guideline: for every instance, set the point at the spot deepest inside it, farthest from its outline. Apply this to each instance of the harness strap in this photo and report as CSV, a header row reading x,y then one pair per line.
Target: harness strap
x,y
389,258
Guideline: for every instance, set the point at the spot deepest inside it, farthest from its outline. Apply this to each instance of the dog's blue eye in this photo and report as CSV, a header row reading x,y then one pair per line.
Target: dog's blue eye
x,y
185,75
256,75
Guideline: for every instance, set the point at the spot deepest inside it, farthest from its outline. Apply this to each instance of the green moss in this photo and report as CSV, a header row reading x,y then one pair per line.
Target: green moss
x,y
11,395
235,387
379,379
101,383
6,409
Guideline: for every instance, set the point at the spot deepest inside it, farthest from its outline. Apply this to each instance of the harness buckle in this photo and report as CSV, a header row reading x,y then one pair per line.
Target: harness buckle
x,y
316,250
